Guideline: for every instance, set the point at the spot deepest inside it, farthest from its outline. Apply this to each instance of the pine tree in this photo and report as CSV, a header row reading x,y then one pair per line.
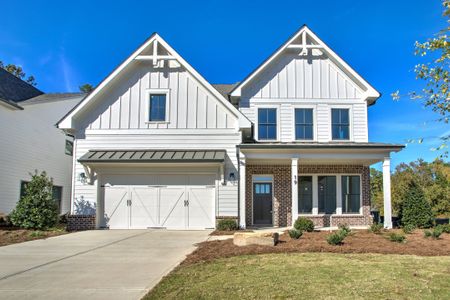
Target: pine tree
x,y
415,210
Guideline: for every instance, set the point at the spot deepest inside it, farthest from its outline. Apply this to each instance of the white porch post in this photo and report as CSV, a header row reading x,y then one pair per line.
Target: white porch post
x,y
387,192
242,180
294,197
99,208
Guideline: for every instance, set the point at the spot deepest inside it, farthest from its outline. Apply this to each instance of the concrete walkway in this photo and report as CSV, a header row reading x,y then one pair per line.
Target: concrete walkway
x,y
103,264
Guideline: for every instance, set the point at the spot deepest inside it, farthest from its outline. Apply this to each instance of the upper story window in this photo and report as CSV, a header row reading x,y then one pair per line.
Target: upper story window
x,y
267,124
304,124
157,105
340,124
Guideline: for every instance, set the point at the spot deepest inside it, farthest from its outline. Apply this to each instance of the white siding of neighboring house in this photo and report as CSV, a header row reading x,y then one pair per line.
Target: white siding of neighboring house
x,y
197,120
314,80
30,141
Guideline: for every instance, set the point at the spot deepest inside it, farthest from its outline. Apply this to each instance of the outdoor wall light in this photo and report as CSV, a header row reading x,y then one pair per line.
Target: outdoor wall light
x,y
82,178
295,179
232,177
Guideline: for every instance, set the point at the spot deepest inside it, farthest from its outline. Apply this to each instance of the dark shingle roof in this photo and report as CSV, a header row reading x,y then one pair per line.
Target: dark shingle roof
x,y
15,89
52,97
225,89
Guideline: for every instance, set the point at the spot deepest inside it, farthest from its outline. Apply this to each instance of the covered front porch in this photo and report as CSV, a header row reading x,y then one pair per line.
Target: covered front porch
x,y
329,184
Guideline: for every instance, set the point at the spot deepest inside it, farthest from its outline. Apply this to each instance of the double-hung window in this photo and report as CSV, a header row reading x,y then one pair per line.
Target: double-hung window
x,y
340,124
157,108
304,124
351,194
267,124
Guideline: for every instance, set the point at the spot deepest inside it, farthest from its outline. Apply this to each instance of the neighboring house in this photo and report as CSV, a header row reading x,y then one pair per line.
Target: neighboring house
x,y
30,140
158,146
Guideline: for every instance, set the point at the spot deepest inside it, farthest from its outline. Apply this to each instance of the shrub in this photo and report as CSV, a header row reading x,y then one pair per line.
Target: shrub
x,y
408,229
36,209
415,210
435,233
295,234
227,225
445,228
376,228
397,237
336,238
304,224
344,229
5,221
36,234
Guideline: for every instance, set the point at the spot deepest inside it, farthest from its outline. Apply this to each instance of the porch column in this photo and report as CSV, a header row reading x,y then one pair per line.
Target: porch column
x,y
242,199
387,192
294,197
99,208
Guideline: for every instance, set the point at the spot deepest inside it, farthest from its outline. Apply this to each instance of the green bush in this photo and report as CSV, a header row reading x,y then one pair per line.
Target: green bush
x,y
36,234
397,237
227,225
445,228
336,238
295,234
376,228
408,229
435,233
304,224
415,210
36,209
344,229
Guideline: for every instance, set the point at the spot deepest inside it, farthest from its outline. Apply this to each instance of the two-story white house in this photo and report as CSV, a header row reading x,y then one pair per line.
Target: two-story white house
x,y
156,145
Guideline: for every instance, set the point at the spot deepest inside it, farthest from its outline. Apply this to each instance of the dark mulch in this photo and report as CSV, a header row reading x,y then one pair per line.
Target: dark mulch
x,y
228,232
361,241
12,235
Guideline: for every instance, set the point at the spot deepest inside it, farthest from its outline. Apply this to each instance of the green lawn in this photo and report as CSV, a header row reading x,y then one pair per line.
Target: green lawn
x,y
309,276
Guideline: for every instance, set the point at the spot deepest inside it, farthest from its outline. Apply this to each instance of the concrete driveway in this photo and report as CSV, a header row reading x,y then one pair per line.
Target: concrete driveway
x,y
103,264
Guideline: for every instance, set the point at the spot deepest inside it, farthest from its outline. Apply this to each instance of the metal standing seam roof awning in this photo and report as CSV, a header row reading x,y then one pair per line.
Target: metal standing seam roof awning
x,y
153,156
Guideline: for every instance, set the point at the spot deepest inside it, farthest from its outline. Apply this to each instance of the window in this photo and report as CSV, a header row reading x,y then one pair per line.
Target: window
x,y
327,194
305,194
157,108
303,124
267,124
340,127
69,145
56,193
351,194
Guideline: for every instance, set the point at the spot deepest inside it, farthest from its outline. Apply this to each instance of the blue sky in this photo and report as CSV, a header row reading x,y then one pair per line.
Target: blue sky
x,y
67,43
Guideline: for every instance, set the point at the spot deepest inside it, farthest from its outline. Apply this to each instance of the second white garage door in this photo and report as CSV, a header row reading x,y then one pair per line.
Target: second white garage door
x,y
176,202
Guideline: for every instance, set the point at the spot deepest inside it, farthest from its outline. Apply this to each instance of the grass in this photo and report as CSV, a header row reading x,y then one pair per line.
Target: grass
x,y
310,275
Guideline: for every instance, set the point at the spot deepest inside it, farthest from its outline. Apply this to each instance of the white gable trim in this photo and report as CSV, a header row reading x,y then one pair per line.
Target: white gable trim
x,y
66,121
369,92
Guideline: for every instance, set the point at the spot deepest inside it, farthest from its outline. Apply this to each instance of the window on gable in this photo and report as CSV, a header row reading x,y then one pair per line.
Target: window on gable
x,y
340,124
267,124
157,108
69,145
303,124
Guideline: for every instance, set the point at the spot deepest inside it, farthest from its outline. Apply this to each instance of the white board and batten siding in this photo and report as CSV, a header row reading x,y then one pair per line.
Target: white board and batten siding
x,y
292,81
197,120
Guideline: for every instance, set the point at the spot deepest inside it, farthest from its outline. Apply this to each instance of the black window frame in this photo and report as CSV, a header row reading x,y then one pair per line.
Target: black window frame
x,y
301,204
340,124
151,106
54,189
304,125
267,124
322,207
344,193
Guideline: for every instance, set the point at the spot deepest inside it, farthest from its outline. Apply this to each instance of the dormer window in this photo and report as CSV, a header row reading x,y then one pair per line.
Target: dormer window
x,y
157,105
340,124
267,124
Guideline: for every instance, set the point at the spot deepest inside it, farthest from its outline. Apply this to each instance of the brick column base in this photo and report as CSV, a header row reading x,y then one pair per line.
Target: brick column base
x,y
80,222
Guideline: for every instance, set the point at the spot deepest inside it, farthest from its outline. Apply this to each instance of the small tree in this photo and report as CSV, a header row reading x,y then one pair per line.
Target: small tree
x,y
86,88
415,210
36,209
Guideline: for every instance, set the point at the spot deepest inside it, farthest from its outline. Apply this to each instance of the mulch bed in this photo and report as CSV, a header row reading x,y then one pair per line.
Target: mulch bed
x,y
228,232
361,241
11,235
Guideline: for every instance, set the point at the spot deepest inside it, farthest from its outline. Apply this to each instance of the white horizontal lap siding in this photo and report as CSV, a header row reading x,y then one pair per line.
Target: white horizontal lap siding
x,y
223,139
315,81
124,105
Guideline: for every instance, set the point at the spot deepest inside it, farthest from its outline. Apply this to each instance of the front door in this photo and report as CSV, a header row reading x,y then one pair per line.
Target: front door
x,y
262,203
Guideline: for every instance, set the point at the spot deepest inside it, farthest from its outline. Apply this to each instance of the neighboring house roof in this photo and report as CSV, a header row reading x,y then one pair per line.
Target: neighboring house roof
x,y
52,97
66,121
152,156
225,89
15,89
10,104
371,95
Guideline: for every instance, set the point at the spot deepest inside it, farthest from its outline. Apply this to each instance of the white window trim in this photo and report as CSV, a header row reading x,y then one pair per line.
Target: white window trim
x,y
314,108
149,92
350,121
263,181
277,107
315,208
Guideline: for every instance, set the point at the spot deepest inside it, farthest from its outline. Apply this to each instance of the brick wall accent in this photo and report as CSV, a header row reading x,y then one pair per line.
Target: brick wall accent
x,y
282,202
80,222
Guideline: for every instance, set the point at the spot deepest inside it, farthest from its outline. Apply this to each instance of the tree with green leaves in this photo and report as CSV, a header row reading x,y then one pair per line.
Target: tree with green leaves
x,y
435,75
37,208
86,88
415,210
18,72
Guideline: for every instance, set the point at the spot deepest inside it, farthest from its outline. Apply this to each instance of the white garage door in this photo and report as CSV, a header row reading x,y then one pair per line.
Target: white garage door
x,y
176,202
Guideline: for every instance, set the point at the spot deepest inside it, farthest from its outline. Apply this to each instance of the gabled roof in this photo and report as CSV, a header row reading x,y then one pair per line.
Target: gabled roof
x,y
15,89
225,89
66,121
370,94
